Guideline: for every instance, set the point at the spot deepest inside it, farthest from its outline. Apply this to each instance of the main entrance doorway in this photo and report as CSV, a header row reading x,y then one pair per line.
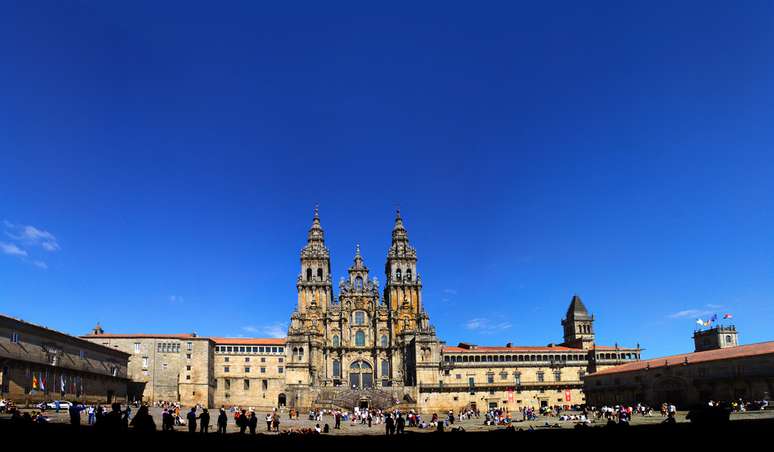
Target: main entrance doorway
x,y
363,405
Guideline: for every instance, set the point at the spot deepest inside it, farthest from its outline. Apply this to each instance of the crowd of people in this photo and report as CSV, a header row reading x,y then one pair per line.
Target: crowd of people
x,y
394,422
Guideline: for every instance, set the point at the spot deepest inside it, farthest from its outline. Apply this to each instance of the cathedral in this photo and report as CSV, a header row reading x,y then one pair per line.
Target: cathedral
x,y
369,346
364,338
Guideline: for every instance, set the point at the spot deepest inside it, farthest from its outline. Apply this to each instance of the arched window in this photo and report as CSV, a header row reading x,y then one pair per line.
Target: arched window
x,y
319,274
385,368
408,274
385,341
360,375
336,368
360,339
728,339
397,274
358,283
301,353
308,274
359,318
336,340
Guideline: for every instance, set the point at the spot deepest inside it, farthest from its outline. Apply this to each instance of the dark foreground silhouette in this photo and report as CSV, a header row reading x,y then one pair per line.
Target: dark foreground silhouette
x,y
705,435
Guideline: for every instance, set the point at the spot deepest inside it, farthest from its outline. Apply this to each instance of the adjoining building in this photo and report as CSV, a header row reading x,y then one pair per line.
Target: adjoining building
x,y
718,370
40,364
367,346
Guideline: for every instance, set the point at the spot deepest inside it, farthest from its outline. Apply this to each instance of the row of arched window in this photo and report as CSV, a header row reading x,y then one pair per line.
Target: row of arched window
x,y
534,358
360,367
360,340
309,274
400,276
584,329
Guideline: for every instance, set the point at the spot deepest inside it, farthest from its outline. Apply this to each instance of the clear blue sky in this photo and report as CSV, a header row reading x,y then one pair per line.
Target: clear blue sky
x,y
168,155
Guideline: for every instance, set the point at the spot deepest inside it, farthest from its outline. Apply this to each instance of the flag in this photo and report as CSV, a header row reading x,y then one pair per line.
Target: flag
x,y
34,381
43,380
728,316
62,383
700,322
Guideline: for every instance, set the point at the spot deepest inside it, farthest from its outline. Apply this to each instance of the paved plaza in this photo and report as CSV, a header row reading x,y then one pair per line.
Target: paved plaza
x,y
350,428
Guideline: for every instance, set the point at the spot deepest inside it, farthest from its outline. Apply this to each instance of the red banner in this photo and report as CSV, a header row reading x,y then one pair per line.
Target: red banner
x,y
567,395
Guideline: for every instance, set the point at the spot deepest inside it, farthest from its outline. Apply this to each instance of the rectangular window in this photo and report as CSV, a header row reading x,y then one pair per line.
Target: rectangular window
x,y
490,378
82,354
274,349
241,349
188,356
263,360
227,383
260,349
14,337
541,376
144,362
137,347
281,359
247,359
281,350
188,368
558,375
187,377
190,346
280,369
225,369
247,385
225,359
263,370
247,369
265,384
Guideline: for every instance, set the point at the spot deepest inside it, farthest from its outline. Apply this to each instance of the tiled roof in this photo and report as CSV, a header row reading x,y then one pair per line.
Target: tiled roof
x,y
515,348
249,340
741,351
525,348
142,336
217,340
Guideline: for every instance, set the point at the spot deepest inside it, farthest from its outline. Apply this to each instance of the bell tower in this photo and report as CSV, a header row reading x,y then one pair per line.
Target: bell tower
x,y
314,282
403,291
578,325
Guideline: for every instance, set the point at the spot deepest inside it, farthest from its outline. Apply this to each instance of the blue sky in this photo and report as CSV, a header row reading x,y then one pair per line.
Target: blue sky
x,y
160,161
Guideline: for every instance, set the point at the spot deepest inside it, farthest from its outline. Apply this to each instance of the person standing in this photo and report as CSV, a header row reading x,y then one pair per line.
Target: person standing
x,y
389,425
400,424
268,422
252,422
204,421
222,421
337,418
191,418
242,422
75,414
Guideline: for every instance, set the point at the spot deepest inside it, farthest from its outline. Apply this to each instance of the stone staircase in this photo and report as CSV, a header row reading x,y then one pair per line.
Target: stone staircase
x,y
347,399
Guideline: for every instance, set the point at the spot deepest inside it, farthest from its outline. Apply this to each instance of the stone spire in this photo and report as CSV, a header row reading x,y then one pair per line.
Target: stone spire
x,y
316,231
358,261
577,310
399,231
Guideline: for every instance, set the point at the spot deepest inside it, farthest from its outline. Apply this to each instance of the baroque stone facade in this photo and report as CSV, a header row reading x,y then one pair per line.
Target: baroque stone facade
x,y
368,346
